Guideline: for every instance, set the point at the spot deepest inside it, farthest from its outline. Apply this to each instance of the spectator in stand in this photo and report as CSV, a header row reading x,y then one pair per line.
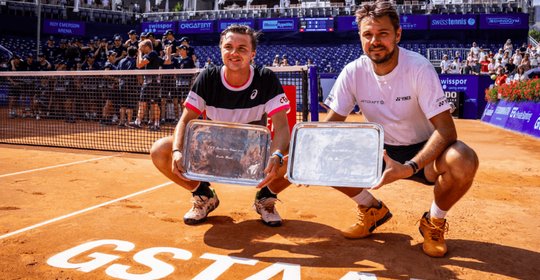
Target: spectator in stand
x,y
61,50
519,75
445,65
475,49
170,41
119,49
132,41
484,65
516,58
128,87
492,67
455,66
144,36
510,67
499,54
523,49
276,62
208,63
43,63
309,62
101,53
481,54
73,54
501,76
508,47
534,60
184,41
50,49
156,44
526,62
91,92
285,62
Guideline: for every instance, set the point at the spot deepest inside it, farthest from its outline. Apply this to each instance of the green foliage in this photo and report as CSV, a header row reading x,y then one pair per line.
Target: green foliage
x,y
178,7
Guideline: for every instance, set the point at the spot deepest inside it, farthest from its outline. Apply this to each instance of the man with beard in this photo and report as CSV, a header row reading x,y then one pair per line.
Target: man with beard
x,y
400,90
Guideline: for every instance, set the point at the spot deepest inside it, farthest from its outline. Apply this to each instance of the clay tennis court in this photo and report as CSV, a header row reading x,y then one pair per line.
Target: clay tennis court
x,y
76,214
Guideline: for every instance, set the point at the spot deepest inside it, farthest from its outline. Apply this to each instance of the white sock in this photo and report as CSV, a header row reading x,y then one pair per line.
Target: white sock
x,y
436,212
364,198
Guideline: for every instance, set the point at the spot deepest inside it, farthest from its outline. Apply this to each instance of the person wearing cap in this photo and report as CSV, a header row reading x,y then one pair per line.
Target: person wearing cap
x,y
50,48
61,100
101,53
128,88
109,86
170,40
144,36
157,44
132,41
119,48
149,59
183,83
91,93
184,41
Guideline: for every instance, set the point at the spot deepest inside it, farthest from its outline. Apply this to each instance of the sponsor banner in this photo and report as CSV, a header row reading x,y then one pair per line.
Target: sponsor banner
x,y
473,87
414,22
52,26
502,112
453,21
504,21
224,23
488,112
455,98
158,28
520,116
196,26
278,24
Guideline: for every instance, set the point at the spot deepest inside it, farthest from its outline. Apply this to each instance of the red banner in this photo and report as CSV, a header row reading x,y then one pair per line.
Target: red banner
x,y
290,92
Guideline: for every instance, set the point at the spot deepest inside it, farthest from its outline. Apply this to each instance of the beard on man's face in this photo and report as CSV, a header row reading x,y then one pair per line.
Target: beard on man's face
x,y
379,59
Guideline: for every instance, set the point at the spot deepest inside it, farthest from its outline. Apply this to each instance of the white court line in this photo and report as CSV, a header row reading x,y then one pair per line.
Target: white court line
x,y
82,211
55,166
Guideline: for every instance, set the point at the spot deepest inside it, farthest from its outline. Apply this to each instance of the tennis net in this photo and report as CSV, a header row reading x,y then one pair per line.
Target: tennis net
x,y
97,109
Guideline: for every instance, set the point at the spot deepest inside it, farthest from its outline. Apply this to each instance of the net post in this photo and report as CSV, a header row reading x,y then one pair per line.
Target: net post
x,y
313,94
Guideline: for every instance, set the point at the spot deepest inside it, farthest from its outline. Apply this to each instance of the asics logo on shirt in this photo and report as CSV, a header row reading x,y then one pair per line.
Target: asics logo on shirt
x,y
254,94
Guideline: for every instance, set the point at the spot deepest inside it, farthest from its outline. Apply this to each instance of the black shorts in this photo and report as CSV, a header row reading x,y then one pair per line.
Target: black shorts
x,y
404,153
129,94
150,93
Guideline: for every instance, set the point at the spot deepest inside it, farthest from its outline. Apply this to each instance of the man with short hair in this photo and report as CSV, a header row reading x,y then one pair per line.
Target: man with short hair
x,y
149,59
235,92
127,87
400,90
132,41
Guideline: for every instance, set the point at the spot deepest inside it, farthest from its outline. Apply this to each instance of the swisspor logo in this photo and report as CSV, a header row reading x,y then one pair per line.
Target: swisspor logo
x,y
254,94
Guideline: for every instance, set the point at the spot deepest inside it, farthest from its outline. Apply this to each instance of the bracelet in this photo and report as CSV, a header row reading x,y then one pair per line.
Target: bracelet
x,y
279,155
176,150
412,164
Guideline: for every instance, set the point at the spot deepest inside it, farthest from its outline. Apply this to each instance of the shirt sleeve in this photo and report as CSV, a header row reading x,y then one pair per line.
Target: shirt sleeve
x,y
278,101
196,96
341,98
431,97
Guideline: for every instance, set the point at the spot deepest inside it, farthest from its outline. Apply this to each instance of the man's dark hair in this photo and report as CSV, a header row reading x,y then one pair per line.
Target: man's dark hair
x,y
377,10
132,51
241,29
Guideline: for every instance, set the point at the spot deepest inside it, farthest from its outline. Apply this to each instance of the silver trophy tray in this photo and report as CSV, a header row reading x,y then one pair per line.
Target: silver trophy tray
x,y
225,152
336,154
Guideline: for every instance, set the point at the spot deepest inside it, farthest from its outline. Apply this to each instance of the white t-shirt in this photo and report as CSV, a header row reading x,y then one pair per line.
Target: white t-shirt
x,y
402,101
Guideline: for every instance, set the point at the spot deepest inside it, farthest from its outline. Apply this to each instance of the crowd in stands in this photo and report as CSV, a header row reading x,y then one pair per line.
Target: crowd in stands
x,y
509,63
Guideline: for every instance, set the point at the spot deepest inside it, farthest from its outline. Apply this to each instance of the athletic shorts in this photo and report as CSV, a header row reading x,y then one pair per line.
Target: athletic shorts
x,y
150,93
404,153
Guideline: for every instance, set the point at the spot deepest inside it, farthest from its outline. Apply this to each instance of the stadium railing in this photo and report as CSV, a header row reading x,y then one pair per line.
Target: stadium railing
x,y
83,109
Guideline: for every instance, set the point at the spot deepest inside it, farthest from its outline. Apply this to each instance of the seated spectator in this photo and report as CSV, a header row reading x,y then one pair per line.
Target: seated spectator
x,y
501,76
492,67
519,75
508,47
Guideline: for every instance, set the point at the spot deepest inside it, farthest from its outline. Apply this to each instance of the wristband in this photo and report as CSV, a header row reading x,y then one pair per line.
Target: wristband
x,y
280,156
412,164
176,150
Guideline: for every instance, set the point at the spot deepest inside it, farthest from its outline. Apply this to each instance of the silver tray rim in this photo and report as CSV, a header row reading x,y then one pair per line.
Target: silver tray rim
x,y
292,149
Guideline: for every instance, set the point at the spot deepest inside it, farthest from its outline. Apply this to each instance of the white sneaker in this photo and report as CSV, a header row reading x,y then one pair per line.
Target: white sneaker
x,y
266,208
202,206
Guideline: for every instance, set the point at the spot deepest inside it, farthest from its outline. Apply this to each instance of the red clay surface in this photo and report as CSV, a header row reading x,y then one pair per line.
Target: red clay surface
x,y
493,231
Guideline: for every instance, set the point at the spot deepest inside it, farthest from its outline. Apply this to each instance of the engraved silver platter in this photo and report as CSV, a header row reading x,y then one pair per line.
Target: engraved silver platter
x,y
226,152
337,154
